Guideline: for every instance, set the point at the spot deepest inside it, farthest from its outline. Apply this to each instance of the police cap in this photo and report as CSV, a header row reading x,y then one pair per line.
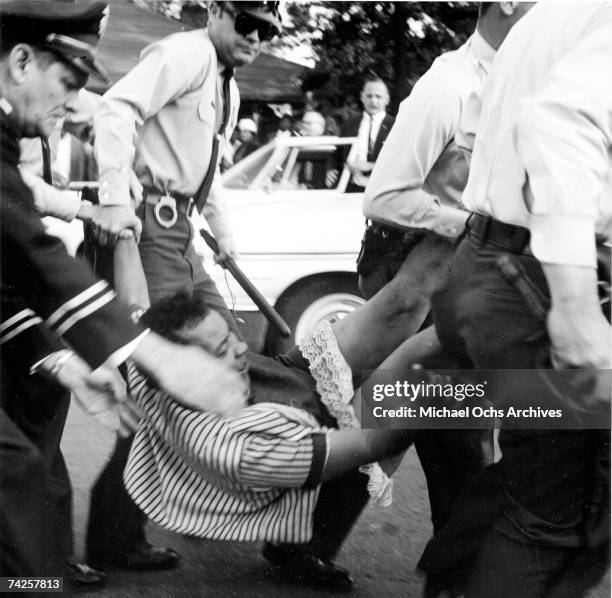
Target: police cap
x,y
70,29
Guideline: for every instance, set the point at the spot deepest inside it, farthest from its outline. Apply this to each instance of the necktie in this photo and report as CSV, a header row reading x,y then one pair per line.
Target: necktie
x,y
227,77
46,156
202,193
370,143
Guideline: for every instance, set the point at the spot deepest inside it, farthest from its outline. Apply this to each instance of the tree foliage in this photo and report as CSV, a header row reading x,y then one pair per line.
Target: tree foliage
x,y
397,41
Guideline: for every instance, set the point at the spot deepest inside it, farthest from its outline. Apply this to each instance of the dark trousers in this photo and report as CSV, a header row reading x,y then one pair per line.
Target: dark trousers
x,y
535,570
168,256
545,479
171,263
169,260
450,460
35,493
116,524
340,503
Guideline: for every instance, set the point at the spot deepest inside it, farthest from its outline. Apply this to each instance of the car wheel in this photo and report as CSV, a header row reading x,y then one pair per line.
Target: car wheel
x,y
308,303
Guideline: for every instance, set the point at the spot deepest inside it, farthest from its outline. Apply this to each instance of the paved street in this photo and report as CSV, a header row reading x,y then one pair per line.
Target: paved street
x,y
382,551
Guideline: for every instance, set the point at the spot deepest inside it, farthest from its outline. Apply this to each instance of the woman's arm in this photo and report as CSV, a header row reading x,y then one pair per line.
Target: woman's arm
x,y
130,281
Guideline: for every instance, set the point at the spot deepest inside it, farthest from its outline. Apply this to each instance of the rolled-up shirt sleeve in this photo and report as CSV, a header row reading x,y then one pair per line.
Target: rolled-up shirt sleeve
x,y
269,461
563,136
49,200
423,128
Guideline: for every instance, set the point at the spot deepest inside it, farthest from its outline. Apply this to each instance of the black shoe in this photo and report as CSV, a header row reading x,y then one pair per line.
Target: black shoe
x,y
142,558
307,568
82,575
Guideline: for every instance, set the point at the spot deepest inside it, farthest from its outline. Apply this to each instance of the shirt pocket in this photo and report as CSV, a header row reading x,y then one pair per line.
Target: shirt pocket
x,y
207,112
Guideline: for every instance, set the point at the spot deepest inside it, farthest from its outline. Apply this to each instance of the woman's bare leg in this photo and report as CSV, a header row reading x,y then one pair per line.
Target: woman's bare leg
x,y
370,333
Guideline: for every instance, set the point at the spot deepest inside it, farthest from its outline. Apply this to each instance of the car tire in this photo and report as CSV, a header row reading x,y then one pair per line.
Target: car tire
x,y
309,302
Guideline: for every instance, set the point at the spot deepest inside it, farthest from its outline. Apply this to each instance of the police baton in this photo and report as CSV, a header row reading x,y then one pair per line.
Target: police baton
x,y
249,288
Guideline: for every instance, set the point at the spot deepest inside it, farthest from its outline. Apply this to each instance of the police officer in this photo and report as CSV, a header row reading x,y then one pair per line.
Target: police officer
x,y
160,133
47,52
523,294
413,199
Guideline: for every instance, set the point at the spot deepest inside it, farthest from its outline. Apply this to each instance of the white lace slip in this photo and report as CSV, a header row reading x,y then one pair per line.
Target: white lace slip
x,y
334,384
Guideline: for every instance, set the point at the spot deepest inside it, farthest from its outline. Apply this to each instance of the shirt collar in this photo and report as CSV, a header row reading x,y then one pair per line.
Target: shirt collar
x,y
483,52
378,117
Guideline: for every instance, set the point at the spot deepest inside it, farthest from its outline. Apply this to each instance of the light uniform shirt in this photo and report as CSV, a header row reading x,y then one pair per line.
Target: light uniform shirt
x,y
542,158
160,120
423,167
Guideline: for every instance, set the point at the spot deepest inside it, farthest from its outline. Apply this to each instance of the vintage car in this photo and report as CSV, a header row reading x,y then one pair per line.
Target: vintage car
x,y
298,234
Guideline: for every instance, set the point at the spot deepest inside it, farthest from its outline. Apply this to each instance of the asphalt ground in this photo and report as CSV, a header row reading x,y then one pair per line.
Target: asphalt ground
x,y
381,552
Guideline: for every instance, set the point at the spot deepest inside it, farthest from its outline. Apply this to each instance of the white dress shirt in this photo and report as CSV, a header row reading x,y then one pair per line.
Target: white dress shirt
x,y
63,156
368,132
423,166
369,128
542,158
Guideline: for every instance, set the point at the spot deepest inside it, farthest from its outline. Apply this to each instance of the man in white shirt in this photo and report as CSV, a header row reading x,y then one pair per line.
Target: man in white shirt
x,y
371,129
415,188
423,166
523,294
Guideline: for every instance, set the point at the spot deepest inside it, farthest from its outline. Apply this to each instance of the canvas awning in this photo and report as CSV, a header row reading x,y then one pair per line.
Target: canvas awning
x,y
268,79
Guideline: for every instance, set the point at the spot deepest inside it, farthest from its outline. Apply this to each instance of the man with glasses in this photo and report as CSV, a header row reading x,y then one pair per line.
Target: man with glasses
x,y
160,133
159,137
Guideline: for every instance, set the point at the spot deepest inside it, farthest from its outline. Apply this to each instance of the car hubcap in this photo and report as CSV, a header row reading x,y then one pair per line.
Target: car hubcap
x,y
331,307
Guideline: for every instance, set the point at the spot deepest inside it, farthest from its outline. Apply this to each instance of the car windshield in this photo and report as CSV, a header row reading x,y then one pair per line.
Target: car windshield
x,y
243,175
306,168
295,166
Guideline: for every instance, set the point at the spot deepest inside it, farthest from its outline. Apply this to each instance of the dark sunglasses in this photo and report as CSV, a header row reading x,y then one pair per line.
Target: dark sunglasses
x,y
245,23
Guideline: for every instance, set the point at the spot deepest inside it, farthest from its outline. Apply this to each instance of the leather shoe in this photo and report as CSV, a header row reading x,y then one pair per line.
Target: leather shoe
x,y
144,557
84,576
300,565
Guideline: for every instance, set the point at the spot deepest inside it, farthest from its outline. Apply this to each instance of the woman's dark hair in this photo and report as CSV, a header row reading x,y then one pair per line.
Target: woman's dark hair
x,y
172,314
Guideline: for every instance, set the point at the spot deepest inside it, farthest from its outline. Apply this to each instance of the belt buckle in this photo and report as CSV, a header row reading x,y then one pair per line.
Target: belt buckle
x,y
166,201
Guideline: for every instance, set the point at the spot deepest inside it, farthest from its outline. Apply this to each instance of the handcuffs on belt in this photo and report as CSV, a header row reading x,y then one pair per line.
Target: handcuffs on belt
x,y
166,201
